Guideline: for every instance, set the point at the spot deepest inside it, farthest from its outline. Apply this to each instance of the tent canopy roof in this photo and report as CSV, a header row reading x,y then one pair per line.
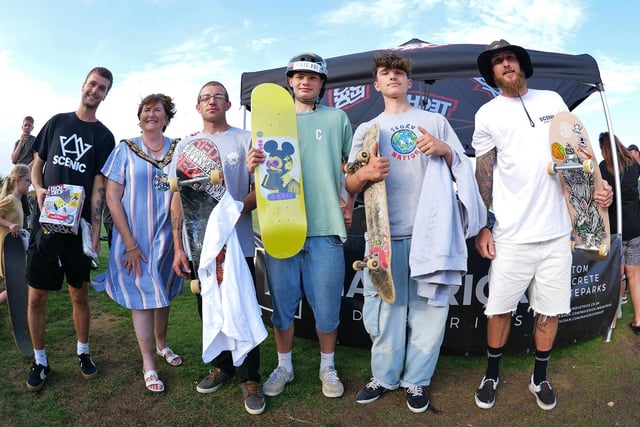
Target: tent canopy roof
x,y
438,62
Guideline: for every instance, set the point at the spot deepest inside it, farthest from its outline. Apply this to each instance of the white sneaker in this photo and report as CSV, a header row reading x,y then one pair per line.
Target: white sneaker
x,y
276,382
331,384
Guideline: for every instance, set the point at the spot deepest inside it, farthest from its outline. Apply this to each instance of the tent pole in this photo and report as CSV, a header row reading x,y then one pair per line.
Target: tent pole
x,y
614,153
617,188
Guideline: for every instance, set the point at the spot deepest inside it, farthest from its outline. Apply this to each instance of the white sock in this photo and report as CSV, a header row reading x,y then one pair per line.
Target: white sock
x,y
41,357
82,348
284,360
326,359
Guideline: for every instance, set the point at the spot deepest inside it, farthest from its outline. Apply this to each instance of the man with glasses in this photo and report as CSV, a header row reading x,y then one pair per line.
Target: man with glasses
x,y
232,144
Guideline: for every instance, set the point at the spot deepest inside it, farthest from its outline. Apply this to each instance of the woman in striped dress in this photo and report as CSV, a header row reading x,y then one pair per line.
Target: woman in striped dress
x,y
139,275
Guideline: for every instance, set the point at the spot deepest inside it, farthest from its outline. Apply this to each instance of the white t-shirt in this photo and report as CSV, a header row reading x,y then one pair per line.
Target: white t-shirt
x,y
527,201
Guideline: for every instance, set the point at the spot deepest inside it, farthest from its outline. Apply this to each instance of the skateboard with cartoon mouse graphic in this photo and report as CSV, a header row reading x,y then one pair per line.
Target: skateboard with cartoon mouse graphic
x,y
279,190
575,162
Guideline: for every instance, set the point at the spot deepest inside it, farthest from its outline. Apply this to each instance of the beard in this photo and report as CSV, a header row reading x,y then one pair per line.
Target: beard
x,y
513,87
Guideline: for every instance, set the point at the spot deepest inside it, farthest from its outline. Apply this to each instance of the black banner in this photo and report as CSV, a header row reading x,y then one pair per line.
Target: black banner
x,y
595,291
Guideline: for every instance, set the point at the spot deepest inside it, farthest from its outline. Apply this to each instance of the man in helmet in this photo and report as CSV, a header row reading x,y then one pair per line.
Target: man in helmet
x,y
529,245
317,271
418,156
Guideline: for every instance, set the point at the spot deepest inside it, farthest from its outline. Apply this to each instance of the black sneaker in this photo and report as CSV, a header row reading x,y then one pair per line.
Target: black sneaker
x,y
37,376
417,398
545,397
87,367
370,392
254,402
216,379
486,393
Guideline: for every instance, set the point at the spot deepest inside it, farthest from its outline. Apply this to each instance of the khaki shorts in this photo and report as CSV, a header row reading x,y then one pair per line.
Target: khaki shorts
x,y
542,269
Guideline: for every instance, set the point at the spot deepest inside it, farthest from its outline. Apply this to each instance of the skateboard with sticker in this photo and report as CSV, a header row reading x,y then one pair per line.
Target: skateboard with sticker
x,y
200,182
575,162
377,260
279,190
14,258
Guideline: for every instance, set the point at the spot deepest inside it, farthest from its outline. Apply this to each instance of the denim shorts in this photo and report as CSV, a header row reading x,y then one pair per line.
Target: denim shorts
x,y
317,271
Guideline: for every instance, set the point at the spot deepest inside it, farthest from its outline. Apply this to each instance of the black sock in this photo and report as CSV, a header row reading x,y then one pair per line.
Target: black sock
x,y
493,362
540,367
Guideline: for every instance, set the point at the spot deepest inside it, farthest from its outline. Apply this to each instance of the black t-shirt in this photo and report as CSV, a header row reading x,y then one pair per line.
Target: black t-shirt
x,y
74,151
630,201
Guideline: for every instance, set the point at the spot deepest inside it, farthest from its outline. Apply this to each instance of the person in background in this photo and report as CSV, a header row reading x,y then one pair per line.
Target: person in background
x,y
11,214
629,173
23,152
51,256
139,273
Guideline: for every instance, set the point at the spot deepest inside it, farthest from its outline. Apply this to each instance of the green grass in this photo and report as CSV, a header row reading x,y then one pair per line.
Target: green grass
x,y
117,396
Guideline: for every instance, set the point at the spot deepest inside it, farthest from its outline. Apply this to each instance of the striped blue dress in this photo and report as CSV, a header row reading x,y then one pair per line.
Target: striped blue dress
x,y
146,202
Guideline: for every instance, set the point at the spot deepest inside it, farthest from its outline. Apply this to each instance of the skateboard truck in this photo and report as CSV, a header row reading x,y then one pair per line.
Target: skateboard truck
x,y
215,178
362,158
586,166
371,262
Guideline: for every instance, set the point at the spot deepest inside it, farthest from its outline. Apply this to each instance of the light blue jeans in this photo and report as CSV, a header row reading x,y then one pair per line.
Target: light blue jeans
x,y
318,271
406,335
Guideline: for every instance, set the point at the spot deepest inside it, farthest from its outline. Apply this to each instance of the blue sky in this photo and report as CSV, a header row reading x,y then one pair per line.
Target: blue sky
x,y
174,46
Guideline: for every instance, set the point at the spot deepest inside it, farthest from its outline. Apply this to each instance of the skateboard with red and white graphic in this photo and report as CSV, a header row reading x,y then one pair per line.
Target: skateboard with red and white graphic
x,y
377,260
200,181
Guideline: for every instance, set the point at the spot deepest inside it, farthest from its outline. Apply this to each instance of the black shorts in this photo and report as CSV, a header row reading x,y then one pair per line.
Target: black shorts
x,y
52,257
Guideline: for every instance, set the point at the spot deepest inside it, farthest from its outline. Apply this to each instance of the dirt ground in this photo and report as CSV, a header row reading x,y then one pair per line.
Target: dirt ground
x,y
604,393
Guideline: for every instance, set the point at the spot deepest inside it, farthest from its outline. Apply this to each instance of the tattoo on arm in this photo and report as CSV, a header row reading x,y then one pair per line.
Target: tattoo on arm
x,y
484,176
99,206
176,224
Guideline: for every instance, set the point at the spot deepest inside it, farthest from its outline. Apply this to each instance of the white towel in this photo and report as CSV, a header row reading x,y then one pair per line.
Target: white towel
x,y
231,317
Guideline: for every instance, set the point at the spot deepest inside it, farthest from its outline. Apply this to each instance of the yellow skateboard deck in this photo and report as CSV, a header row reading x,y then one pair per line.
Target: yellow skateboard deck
x,y
575,162
279,190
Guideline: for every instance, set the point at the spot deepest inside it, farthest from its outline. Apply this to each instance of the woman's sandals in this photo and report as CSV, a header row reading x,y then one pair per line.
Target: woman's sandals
x,y
153,382
168,355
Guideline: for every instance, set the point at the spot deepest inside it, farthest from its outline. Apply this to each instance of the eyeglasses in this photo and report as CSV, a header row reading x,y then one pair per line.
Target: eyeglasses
x,y
217,98
499,58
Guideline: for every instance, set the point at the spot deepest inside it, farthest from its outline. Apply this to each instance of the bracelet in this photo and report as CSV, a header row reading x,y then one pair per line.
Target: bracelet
x,y
132,249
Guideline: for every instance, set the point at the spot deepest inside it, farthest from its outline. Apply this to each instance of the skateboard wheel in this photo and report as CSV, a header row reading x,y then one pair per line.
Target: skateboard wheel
x,y
216,177
173,184
373,264
573,246
195,287
363,156
551,169
603,250
587,166
357,265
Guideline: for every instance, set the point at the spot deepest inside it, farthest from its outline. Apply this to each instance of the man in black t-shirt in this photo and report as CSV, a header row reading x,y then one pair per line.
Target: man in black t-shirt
x,y
70,149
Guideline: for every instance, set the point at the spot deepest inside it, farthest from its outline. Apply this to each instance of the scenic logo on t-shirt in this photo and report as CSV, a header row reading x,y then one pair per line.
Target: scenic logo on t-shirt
x,y
403,142
73,148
